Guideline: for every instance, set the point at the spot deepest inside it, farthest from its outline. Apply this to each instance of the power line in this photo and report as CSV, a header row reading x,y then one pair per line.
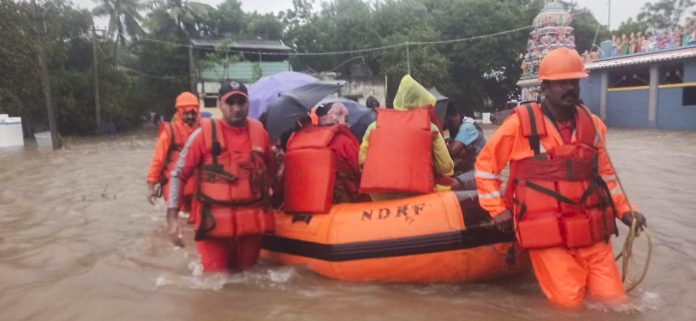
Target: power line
x,y
355,51
141,73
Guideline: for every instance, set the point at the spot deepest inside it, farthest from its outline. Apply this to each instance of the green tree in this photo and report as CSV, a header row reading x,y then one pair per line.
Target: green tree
x,y
397,22
300,14
19,88
68,39
484,71
124,20
228,20
665,13
266,26
472,73
631,26
186,18
163,65
588,31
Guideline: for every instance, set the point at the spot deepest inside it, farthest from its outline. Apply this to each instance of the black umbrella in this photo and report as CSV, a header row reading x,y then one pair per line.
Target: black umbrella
x,y
284,112
440,105
359,116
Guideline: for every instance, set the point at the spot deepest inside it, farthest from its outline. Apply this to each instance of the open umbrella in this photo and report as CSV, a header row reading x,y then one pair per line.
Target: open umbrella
x,y
440,105
359,116
267,89
284,112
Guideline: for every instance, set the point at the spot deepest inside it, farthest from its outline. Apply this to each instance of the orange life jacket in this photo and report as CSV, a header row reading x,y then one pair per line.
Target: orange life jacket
x,y
399,154
177,142
557,196
178,137
310,170
232,187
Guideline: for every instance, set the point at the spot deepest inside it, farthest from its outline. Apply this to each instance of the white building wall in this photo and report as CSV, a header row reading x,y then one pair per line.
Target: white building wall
x,y
363,88
11,134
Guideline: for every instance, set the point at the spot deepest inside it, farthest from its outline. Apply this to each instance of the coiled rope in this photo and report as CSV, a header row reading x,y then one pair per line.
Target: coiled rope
x,y
627,249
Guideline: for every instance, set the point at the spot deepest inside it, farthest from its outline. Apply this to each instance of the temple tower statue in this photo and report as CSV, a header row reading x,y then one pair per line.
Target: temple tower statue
x,y
551,30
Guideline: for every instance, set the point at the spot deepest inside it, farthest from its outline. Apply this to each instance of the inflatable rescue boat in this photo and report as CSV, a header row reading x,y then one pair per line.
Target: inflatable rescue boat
x,y
421,239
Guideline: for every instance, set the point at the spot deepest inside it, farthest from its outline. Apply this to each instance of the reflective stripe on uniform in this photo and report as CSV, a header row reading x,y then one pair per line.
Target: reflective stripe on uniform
x,y
175,187
615,191
609,178
487,175
488,196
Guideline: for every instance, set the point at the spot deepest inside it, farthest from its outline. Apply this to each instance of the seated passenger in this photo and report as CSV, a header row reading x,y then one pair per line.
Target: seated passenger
x,y
321,163
403,152
466,140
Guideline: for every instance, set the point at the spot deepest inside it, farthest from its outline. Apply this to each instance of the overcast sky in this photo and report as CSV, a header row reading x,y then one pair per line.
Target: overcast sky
x,y
621,10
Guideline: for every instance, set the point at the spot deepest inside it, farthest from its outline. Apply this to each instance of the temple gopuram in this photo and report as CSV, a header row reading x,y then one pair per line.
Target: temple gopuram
x,y
551,30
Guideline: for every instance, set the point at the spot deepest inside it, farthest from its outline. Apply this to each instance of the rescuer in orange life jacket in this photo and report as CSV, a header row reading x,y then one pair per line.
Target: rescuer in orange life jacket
x,y
562,194
233,167
321,163
171,140
403,152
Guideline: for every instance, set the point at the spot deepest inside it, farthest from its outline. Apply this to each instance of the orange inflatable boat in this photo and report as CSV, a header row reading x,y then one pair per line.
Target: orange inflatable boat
x,y
422,239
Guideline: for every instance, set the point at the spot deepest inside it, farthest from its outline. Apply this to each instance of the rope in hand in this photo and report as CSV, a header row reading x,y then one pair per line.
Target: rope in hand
x,y
627,248
627,253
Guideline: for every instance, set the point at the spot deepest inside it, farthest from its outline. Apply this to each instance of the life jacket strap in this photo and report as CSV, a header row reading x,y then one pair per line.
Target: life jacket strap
x,y
167,158
557,196
203,228
218,170
205,199
216,149
534,141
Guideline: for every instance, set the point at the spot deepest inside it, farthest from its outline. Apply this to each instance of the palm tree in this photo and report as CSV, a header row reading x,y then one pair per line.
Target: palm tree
x,y
189,18
124,19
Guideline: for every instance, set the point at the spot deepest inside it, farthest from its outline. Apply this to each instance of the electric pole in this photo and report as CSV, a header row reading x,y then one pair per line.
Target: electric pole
x,y
609,17
41,31
95,59
192,69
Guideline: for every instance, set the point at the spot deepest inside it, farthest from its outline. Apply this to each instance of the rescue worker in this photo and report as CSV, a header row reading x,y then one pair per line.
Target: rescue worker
x,y
171,140
403,152
233,163
562,194
466,140
322,163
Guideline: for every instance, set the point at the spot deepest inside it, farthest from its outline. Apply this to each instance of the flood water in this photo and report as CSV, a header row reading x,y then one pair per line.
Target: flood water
x,y
78,241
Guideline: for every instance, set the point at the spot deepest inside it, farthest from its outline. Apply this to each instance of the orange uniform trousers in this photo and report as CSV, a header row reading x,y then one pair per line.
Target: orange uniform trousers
x,y
567,275
229,254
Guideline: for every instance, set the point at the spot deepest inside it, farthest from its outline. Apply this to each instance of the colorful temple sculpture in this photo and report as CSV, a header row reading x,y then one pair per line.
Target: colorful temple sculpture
x,y
654,40
552,30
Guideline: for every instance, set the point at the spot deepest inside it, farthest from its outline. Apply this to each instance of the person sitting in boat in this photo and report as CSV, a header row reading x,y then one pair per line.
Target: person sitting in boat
x,y
321,163
466,140
403,152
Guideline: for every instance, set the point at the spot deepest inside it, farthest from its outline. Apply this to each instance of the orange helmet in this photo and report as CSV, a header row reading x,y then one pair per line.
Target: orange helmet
x,y
561,64
186,99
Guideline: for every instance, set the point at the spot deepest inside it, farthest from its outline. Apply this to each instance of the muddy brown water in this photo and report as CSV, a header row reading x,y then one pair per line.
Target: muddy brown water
x,y
78,241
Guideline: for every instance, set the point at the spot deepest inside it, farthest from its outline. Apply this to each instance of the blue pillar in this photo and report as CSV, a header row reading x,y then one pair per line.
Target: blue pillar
x,y
652,96
604,85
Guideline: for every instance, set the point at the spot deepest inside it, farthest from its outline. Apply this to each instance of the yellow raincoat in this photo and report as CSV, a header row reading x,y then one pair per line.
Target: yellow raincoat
x,y
411,95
